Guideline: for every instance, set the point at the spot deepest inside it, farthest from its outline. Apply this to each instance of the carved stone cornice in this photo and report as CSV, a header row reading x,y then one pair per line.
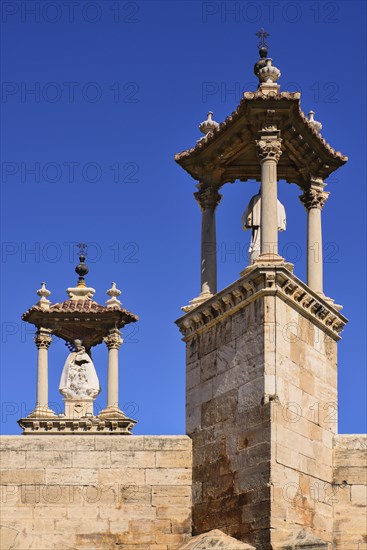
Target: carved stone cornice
x,y
313,198
208,197
269,149
257,283
114,339
42,339
63,425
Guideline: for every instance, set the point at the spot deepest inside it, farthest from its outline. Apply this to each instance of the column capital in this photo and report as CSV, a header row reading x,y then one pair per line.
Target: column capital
x,y
208,197
269,149
42,339
314,197
114,339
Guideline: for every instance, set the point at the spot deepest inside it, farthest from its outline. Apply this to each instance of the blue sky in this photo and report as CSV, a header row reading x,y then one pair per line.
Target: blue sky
x,y
96,99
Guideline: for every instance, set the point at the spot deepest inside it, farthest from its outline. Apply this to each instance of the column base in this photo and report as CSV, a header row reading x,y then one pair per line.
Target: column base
x,y
42,411
112,412
268,259
195,302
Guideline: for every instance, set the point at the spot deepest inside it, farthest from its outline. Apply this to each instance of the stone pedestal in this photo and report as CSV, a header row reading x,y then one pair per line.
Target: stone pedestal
x,y
260,407
78,408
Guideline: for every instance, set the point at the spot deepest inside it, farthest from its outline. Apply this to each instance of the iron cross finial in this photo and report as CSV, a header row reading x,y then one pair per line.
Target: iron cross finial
x,y
262,34
82,248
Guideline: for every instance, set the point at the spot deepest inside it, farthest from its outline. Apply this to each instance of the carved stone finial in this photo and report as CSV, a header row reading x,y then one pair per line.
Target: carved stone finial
x,y
208,197
43,339
81,291
269,74
113,292
269,149
114,339
314,198
82,269
44,293
316,125
208,125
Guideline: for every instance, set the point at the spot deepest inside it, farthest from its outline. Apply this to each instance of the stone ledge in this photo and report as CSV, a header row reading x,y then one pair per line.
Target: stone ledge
x,y
78,442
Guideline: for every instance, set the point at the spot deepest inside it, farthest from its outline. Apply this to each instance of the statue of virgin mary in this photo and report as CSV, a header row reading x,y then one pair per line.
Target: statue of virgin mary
x,y
79,378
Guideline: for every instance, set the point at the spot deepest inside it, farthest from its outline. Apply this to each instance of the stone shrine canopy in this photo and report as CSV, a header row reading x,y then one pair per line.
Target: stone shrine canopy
x,y
266,139
82,323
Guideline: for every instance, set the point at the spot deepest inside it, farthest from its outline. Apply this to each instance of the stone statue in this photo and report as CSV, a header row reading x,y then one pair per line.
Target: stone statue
x,y
79,378
251,220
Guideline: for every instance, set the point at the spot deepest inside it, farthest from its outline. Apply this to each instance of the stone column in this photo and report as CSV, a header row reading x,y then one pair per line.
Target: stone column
x,y
113,342
313,200
42,340
269,151
208,199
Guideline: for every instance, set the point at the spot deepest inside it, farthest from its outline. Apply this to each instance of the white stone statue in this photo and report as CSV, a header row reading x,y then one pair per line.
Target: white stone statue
x,y
251,220
79,378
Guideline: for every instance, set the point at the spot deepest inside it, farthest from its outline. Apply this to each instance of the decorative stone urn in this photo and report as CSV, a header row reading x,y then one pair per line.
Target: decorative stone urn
x,y
269,73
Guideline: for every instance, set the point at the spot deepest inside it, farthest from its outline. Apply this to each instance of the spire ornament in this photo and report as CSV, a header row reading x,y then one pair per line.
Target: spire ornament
x,y
262,34
44,293
208,126
263,50
81,291
82,269
113,292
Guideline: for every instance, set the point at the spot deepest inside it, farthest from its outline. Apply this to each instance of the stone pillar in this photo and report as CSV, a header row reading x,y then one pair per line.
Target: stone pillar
x,y
269,151
261,400
208,200
113,342
314,199
42,340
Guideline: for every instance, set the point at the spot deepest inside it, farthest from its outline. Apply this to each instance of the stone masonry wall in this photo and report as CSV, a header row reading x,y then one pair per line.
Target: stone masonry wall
x,y
301,372
230,427
94,492
350,492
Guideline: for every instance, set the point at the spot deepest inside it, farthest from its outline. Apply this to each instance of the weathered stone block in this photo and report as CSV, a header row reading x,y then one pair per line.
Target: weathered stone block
x,y
133,459
168,476
9,459
22,477
173,459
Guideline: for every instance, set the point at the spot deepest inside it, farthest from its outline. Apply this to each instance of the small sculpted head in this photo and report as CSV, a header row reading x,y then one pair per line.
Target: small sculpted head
x,y
78,344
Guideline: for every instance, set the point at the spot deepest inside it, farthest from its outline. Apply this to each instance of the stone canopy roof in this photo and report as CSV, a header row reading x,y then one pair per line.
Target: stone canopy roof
x,y
82,319
228,152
